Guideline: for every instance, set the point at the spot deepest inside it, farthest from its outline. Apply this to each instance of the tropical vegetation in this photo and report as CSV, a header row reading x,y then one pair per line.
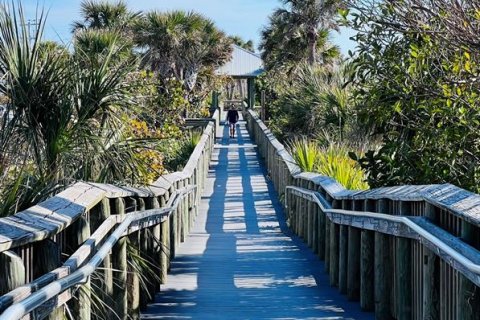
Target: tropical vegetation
x,y
107,109
404,103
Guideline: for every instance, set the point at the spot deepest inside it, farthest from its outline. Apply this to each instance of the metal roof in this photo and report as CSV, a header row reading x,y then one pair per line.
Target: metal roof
x,y
244,64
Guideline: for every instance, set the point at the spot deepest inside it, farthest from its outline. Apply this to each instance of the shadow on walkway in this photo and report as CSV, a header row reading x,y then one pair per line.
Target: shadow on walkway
x,y
238,263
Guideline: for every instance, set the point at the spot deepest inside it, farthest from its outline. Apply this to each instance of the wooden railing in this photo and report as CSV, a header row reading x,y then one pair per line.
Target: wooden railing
x,y
406,252
51,248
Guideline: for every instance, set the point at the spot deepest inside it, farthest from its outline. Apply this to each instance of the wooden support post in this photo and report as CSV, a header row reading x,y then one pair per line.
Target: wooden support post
x,y
310,225
264,106
133,279
469,294
382,270
103,285
328,224
403,273
155,248
334,250
47,257
315,227
165,254
321,233
431,277
342,259
82,304
382,273
367,301
431,285
119,265
353,273
12,270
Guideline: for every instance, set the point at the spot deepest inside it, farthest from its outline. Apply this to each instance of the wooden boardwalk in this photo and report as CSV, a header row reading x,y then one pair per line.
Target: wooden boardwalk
x,y
240,261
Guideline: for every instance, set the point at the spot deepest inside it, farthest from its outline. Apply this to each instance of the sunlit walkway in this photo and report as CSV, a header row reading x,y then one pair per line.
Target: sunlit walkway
x,y
238,263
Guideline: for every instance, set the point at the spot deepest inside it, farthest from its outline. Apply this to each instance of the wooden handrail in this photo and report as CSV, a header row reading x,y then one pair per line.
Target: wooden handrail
x,y
31,241
78,276
385,263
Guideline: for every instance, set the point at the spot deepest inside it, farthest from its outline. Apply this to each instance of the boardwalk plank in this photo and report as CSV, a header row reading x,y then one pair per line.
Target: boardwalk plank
x,y
240,261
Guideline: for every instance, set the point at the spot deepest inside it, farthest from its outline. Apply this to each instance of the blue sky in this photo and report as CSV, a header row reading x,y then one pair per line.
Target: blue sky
x,y
236,17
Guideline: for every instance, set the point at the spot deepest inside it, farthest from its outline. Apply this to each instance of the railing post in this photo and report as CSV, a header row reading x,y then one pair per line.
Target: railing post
x,y
46,255
334,248
165,240
12,270
383,270
469,294
133,280
119,265
353,273
342,259
403,272
431,277
82,306
155,247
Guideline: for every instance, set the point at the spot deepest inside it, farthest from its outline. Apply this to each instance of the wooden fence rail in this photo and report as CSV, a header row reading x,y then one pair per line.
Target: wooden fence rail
x,y
55,238
406,252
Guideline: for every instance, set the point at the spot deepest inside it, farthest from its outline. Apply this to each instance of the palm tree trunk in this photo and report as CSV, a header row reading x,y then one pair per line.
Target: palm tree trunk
x,y
312,46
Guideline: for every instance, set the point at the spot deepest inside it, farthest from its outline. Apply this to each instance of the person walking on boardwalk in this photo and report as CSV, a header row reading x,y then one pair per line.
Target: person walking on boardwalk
x,y
232,118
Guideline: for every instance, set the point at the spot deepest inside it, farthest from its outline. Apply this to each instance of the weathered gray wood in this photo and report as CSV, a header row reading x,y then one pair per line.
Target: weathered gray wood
x,y
133,278
403,271
383,270
403,279
12,270
431,286
237,263
343,259
81,305
321,233
165,253
353,271
469,294
334,251
310,224
49,217
327,244
431,277
106,282
367,290
119,264
47,258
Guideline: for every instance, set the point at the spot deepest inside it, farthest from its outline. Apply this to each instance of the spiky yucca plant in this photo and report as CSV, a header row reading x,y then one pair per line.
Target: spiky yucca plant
x,y
305,152
334,161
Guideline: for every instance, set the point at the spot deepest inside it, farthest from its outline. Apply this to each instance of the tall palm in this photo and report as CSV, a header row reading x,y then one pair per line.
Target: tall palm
x,y
102,14
180,44
299,24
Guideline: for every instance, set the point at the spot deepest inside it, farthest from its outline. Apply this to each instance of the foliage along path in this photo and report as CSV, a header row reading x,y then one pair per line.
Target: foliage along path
x,y
240,261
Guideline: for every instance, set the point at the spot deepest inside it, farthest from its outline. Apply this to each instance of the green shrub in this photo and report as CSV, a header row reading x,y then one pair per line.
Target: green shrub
x,y
305,153
335,162
332,161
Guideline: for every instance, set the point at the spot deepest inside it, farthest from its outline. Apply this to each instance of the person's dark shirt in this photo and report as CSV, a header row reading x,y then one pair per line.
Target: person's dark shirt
x,y
232,116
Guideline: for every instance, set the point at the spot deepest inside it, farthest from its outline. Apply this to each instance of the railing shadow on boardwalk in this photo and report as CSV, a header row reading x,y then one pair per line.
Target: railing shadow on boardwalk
x,y
248,264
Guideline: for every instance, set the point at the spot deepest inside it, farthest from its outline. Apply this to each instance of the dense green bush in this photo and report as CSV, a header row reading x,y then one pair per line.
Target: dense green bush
x,y
332,161
417,87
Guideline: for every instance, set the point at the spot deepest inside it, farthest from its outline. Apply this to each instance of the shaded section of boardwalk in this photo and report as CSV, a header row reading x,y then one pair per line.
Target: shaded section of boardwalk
x,y
239,261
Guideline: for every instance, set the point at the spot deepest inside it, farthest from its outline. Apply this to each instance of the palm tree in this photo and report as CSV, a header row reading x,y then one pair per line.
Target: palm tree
x,y
179,44
102,14
300,24
247,45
